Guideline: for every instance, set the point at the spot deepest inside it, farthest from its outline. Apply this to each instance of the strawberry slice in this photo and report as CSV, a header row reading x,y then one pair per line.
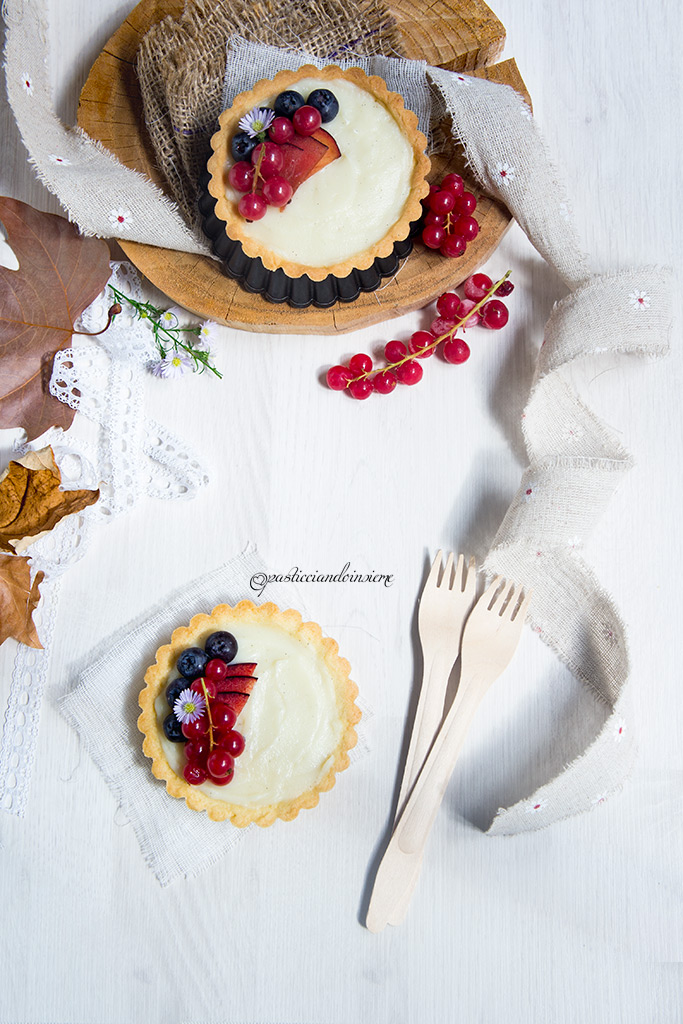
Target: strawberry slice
x,y
305,155
236,701
237,684
245,668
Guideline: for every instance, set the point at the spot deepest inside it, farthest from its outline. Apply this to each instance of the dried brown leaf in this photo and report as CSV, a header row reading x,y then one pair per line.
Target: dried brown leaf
x,y
18,600
59,275
31,502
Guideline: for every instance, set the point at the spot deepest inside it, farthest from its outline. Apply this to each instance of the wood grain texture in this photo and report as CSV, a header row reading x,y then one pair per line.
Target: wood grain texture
x,y
463,34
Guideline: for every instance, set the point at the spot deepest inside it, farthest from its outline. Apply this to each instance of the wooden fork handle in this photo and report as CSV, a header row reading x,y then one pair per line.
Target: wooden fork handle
x,y
400,867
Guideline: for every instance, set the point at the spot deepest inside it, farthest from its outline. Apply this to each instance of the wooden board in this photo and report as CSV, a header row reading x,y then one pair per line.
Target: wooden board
x,y
456,34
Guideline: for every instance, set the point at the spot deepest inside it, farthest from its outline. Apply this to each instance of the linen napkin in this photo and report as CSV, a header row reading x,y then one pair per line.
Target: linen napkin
x,y
175,841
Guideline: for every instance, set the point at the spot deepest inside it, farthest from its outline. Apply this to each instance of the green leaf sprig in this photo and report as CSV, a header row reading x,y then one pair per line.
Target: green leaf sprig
x,y
169,338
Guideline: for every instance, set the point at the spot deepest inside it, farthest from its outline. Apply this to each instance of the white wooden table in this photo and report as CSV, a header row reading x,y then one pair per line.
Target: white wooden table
x,y
580,923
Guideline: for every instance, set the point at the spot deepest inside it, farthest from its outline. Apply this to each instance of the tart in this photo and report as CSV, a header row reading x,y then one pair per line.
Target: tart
x,y
289,722
356,180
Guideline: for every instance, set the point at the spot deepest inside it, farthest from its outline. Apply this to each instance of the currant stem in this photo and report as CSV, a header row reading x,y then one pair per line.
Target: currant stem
x,y
437,341
208,712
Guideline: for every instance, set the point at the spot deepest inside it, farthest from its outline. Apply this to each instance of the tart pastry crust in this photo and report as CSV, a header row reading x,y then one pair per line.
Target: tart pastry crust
x,y
221,161
201,626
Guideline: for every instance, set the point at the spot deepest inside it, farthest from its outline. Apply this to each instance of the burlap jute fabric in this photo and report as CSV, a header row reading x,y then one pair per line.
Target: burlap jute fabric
x,y
181,67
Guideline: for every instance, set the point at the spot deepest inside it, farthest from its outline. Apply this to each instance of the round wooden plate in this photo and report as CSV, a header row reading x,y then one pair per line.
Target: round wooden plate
x,y
461,35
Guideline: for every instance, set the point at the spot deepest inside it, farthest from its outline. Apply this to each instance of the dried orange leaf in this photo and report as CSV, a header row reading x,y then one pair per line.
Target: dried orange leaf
x,y
59,275
31,502
18,600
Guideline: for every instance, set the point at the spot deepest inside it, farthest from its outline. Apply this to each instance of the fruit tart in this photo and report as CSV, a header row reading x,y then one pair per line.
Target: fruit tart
x,y
317,173
248,714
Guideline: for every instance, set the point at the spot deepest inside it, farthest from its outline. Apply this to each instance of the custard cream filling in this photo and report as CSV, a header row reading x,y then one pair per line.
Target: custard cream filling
x,y
291,724
351,204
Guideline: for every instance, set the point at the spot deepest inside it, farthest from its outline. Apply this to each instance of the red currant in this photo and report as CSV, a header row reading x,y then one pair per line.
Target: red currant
x,y
306,120
435,218
252,206
441,326
215,669
456,350
223,717
448,305
384,382
241,176
219,763
338,377
360,389
233,742
477,286
195,730
360,364
395,351
467,228
466,203
409,373
453,246
453,183
210,685
271,161
419,342
433,235
494,314
195,774
281,130
196,750
277,191
442,201
505,288
215,781
465,306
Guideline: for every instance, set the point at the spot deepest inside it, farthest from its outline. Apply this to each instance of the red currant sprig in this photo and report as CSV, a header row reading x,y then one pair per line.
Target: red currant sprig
x,y
360,378
448,223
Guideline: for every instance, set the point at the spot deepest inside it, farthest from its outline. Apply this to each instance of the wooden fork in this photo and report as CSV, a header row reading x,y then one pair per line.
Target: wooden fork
x,y
445,603
490,639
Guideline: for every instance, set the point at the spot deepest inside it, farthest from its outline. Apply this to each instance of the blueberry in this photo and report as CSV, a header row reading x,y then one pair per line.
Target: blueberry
x,y
325,102
173,729
221,645
287,103
174,689
191,662
242,145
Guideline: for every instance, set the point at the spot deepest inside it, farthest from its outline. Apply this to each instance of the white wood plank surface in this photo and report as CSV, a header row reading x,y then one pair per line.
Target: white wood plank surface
x,y
580,923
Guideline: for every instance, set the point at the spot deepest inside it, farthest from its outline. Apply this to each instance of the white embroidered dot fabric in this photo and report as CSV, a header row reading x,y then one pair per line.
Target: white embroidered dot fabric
x,y
575,461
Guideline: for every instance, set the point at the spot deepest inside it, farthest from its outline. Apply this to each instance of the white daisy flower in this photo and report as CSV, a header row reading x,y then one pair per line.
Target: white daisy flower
x,y
257,121
639,300
208,333
189,706
170,318
175,365
505,171
27,84
121,219
54,159
535,807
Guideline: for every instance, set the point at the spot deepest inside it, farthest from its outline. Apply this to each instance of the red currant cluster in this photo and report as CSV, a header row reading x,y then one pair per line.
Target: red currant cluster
x,y
479,306
448,223
269,170
205,703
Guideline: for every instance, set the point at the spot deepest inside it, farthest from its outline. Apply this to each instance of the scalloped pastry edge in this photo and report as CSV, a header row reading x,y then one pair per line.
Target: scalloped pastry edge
x,y
156,678
221,159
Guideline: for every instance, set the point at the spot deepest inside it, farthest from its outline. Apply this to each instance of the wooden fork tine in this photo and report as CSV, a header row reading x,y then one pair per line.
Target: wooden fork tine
x,y
433,577
459,578
523,607
490,591
447,578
